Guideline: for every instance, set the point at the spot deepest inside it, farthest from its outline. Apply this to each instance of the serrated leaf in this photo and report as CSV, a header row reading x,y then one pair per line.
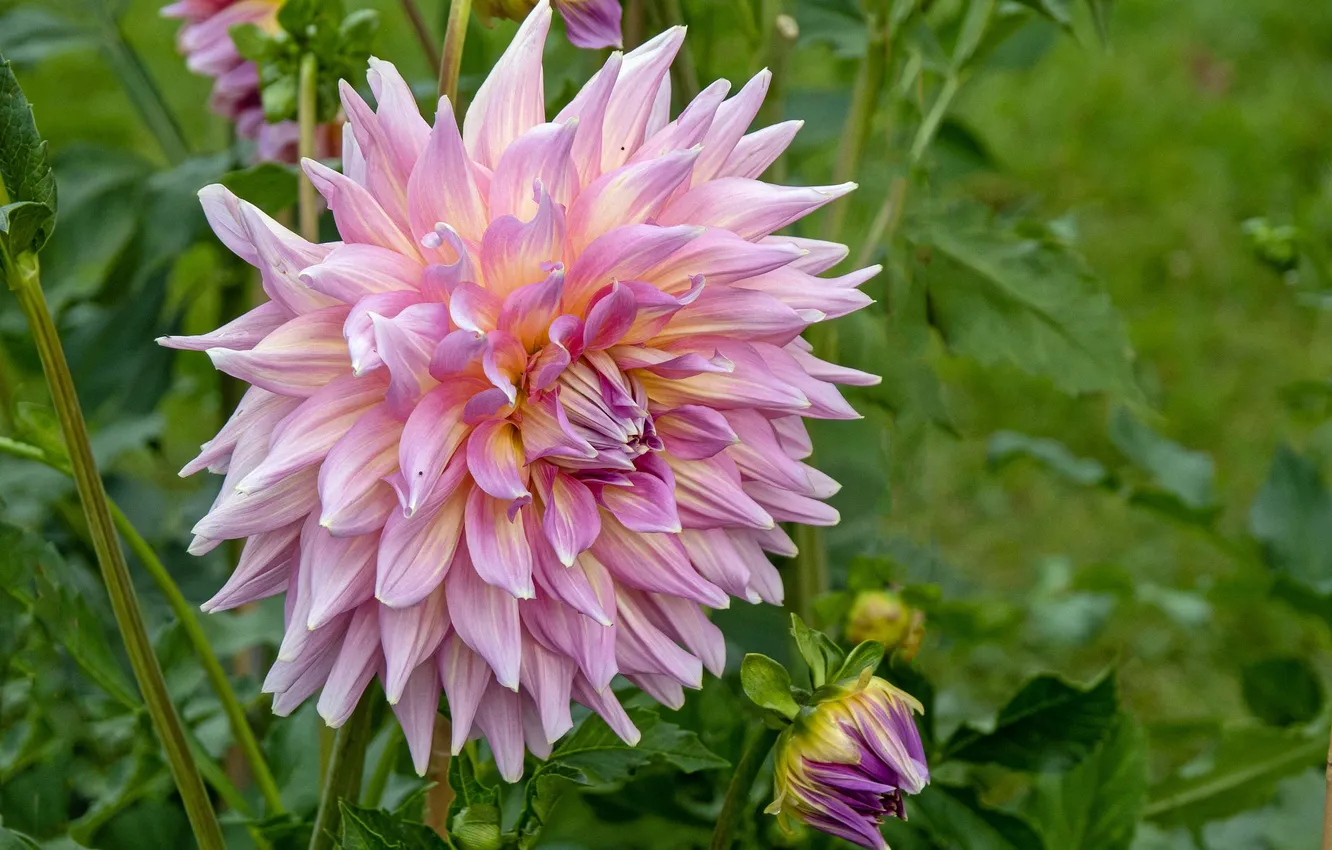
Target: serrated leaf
x,y
1282,691
27,184
474,815
1008,446
1049,725
599,755
1239,773
376,829
1187,475
1000,296
35,575
1096,804
1292,518
768,685
955,817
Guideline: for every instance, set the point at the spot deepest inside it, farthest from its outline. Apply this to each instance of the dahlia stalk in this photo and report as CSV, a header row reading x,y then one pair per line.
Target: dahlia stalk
x,y
540,409
206,42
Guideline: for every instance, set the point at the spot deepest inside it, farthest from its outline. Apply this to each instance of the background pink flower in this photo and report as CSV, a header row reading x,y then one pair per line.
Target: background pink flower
x,y
538,410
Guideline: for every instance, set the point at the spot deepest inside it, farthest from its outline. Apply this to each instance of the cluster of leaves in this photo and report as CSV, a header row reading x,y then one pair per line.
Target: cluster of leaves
x,y
339,44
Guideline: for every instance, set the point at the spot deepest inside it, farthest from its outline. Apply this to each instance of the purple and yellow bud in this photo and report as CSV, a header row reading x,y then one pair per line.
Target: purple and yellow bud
x,y
846,761
883,616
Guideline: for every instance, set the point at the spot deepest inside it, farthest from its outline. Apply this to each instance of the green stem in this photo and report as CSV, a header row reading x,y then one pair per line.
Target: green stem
x,y
25,279
306,114
422,30
450,63
185,615
737,793
144,92
213,669
343,779
811,570
859,119
374,793
938,110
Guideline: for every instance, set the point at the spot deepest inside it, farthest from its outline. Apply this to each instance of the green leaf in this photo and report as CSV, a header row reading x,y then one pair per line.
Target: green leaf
x,y
270,186
1239,773
868,654
1054,10
143,775
1282,691
474,815
822,655
376,829
35,575
10,840
973,29
27,185
1001,296
1292,518
1187,475
1008,446
28,35
1096,804
1049,725
955,817
768,685
1100,12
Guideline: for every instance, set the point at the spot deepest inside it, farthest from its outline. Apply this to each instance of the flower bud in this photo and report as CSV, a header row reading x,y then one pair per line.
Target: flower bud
x,y
845,762
588,23
883,616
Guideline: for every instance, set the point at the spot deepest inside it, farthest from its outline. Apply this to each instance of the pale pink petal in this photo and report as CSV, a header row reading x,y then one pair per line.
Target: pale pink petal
x,y
486,618
512,100
410,635
748,208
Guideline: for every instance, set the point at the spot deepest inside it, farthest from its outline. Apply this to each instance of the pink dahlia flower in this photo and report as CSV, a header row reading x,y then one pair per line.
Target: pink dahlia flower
x,y
539,409
205,39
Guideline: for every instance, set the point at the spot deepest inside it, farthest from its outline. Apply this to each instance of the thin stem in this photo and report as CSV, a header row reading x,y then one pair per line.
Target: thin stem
x,y
455,35
930,126
306,113
342,781
885,221
213,669
737,794
859,119
811,570
24,278
145,94
374,792
422,30
184,612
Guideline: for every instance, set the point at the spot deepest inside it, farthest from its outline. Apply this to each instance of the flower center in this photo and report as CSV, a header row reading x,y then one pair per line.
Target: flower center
x,y
608,410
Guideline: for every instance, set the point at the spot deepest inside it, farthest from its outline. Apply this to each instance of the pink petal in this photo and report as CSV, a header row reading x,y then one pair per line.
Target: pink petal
x,y
296,359
416,713
694,432
352,472
240,334
632,194
709,495
415,552
748,208
655,562
465,676
486,618
591,24
342,573
733,118
626,252
628,111
264,567
497,545
495,459
351,272
570,519
410,635
442,187
760,149
512,99
515,253
500,717
541,154
432,433
359,216
589,107
357,662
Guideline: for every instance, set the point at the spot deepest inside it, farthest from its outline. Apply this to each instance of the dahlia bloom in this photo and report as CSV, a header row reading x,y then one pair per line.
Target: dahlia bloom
x,y
588,23
539,409
844,764
205,39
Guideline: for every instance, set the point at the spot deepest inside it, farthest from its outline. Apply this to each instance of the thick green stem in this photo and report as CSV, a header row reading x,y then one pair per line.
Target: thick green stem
x,y
189,620
307,107
145,94
811,570
737,793
422,30
450,63
24,278
342,781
